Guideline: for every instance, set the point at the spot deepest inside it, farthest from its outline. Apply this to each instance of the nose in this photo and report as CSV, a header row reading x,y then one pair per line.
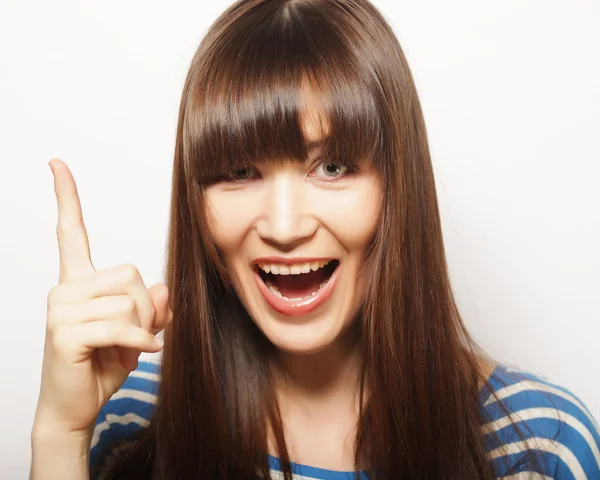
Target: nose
x,y
287,218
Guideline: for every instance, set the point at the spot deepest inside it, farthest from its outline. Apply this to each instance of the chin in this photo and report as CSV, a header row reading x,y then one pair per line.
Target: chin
x,y
304,338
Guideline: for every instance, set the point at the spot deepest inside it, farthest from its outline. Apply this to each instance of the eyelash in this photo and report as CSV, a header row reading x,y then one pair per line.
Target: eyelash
x,y
349,170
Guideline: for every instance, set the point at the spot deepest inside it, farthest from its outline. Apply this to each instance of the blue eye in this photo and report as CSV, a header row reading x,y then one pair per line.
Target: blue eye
x,y
241,174
331,170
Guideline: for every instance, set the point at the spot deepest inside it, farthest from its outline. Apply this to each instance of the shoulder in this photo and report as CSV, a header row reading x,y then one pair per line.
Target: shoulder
x,y
550,419
128,410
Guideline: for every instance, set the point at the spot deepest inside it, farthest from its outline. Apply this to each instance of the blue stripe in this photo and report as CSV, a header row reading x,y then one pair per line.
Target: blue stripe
x,y
563,471
563,389
148,367
123,406
122,431
105,440
141,384
308,471
542,427
505,464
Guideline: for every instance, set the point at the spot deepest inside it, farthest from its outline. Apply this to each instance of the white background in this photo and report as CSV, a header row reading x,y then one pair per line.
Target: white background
x,y
511,96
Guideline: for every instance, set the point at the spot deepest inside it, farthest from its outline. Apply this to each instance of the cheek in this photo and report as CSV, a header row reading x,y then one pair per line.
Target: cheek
x,y
227,225
227,221
352,216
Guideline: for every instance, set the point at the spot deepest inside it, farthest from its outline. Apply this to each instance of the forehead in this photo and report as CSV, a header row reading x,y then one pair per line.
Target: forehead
x,y
315,125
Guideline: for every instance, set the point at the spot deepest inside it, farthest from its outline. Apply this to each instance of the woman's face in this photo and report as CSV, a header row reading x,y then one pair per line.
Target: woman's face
x,y
294,238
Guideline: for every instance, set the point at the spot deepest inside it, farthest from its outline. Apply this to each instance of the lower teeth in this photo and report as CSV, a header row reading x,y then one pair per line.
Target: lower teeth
x,y
275,291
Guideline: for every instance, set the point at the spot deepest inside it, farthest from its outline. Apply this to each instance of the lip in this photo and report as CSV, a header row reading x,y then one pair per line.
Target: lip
x,y
296,307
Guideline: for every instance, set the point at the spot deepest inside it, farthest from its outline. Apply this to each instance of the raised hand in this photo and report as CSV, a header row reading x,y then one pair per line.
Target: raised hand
x,y
98,322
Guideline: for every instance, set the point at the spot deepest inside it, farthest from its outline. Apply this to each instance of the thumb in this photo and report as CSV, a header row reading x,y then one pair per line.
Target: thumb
x,y
159,294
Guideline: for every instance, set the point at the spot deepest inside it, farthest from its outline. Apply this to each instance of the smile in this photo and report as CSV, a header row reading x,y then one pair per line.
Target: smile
x,y
296,288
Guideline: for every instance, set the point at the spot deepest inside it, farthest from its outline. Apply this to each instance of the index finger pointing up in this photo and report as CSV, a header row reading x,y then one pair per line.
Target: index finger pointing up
x,y
73,245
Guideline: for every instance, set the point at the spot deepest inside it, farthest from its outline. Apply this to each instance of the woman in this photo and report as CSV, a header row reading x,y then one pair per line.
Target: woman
x,y
312,327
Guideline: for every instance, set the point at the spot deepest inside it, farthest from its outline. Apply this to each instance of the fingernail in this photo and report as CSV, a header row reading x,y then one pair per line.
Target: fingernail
x,y
159,342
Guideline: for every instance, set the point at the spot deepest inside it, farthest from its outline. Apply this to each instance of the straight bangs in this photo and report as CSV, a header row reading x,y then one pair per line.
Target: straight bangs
x,y
255,86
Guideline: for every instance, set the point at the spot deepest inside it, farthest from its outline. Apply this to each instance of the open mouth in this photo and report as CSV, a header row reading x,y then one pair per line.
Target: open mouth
x,y
300,284
298,288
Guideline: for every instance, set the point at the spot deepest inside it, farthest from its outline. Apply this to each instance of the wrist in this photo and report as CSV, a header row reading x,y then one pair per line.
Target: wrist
x,y
52,437
61,444
48,422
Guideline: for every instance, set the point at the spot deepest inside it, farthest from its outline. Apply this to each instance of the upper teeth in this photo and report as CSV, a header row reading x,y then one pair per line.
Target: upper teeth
x,y
293,269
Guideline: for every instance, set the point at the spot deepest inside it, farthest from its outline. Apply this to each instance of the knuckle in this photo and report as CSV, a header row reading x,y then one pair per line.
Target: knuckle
x,y
59,339
63,228
54,295
129,305
117,329
52,319
130,273
152,309
60,231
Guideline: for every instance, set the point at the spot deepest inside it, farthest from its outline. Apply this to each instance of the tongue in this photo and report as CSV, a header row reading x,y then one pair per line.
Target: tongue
x,y
299,286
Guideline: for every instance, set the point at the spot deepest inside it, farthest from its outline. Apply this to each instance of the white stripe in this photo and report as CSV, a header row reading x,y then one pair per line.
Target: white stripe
x,y
547,380
532,385
135,395
521,386
120,419
543,444
533,413
98,429
148,357
277,475
154,377
126,419
526,476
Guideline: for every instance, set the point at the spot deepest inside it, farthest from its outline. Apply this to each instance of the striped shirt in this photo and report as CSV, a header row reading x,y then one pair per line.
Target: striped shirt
x,y
543,407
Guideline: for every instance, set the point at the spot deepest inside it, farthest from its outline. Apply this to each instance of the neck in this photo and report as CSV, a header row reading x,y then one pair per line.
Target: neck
x,y
329,377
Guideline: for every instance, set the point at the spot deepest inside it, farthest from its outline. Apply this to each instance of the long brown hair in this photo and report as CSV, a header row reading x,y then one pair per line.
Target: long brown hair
x,y
242,104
